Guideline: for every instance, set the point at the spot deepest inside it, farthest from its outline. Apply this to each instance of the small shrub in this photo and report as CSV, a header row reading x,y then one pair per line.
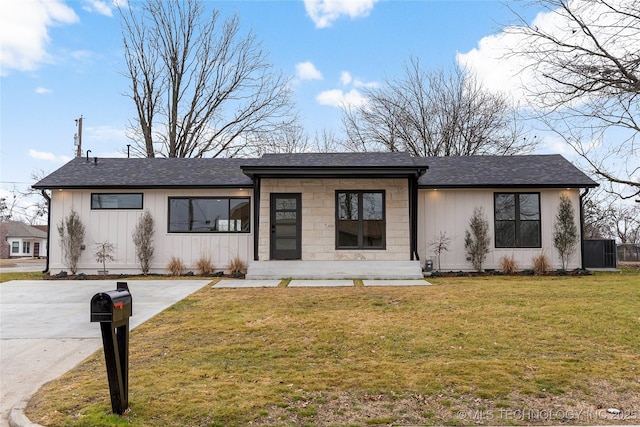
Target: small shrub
x,y
509,265
476,239
541,264
204,266
143,240
440,244
104,253
237,267
175,266
71,231
565,231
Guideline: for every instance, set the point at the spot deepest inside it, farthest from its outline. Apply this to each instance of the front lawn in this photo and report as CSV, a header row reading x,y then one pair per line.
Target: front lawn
x,y
487,350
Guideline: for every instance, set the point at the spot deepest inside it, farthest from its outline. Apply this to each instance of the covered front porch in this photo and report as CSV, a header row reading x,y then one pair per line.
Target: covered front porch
x,y
298,269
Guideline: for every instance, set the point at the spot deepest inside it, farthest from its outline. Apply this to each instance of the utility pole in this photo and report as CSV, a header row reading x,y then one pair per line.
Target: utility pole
x,y
77,138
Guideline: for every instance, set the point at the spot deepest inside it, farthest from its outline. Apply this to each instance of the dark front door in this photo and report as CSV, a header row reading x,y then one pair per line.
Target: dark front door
x,y
36,250
285,226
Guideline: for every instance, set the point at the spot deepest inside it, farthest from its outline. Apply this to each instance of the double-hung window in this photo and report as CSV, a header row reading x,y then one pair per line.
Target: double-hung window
x,y
360,220
209,214
517,220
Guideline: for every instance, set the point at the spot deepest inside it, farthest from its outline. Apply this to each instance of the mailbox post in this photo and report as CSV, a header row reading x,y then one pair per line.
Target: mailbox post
x,y
113,310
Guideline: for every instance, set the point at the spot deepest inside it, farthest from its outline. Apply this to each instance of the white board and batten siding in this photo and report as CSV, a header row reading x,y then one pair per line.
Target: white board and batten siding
x,y
449,211
117,225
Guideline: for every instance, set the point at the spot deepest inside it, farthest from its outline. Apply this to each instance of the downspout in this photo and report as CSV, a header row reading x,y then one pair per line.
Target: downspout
x,y
256,217
413,218
586,190
46,196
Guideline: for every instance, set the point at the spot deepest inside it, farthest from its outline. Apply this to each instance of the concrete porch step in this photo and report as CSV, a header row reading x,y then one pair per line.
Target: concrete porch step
x,y
334,270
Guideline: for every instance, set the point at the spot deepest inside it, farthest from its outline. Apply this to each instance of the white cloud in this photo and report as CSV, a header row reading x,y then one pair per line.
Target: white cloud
x,y
97,6
43,91
43,155
496,71
360,83
345,78
349,96
324,12
496,66
307,71
24,31
338,98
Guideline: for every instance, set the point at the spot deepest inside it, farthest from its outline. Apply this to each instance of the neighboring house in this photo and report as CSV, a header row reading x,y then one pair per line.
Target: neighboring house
x,y
20,240
315,215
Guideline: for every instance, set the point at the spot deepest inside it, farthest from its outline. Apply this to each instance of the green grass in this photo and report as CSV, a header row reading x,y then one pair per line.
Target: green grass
x,y
9,276
367,356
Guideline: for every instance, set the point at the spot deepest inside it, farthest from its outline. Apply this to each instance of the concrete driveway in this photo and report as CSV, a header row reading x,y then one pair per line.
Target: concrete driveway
x,y
45,329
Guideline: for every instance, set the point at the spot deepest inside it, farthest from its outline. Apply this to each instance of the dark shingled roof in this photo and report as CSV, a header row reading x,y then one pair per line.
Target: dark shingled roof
x,y
335,164
502,171
443,172
148,173
337,160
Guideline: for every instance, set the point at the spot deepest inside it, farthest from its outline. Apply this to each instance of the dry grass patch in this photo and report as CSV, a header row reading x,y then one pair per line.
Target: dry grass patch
x,y
25,275
464,351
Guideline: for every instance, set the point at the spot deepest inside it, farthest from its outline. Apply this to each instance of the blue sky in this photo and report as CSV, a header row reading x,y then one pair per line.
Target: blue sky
x,y
61,60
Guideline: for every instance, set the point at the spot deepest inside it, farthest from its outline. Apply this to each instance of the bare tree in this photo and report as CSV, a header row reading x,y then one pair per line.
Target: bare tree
x,y
626,220
7,206
598,213
292,138
434,113
199,86
607,217
587,68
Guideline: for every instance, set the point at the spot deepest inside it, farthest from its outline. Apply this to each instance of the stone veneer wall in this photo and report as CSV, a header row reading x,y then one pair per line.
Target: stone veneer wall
x,y
319,217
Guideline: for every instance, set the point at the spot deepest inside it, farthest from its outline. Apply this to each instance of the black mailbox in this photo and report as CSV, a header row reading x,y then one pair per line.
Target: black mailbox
x,y
111,306
113,310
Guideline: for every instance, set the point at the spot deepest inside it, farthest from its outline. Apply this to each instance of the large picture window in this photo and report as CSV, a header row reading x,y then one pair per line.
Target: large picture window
x,y
116,201
209,214
360,220
517,220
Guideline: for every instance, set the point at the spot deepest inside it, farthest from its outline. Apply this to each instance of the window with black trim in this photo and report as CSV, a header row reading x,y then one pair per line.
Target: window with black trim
x,y
209,214
360,220
116,200
517,220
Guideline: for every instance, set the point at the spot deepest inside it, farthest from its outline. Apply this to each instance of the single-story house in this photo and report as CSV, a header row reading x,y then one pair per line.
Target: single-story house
x,y
20,240
315,214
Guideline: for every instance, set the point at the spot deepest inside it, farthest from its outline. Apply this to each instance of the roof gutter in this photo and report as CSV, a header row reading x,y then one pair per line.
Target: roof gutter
x,y
46,196
490,186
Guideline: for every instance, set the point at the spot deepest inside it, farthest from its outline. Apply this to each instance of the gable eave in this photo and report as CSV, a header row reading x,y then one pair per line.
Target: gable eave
x,y
332,172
